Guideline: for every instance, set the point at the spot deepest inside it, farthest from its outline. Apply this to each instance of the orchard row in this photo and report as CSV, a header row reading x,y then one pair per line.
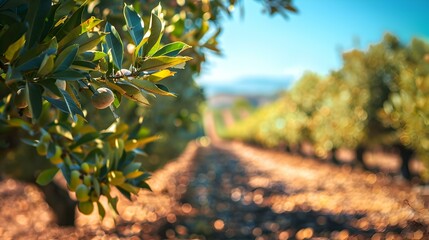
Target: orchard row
x,y
379,98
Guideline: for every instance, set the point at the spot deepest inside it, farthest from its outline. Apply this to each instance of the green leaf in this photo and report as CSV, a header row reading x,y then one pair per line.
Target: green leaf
x,y
96,186
14,48
113,203
68,105
65,170
68,75
101,210
84,27
46,176
131,91
84,66
46,66
114,42
88,40
116,178
125,193
160,75
17,122
162,62
65,8
71,105
135,25
50,85
91,56
38,10
72,22
10,34
129,188
34,98
132,167
49,21
85,138
172,49
150,87
66,58
134,174
32,60
156,29
144,184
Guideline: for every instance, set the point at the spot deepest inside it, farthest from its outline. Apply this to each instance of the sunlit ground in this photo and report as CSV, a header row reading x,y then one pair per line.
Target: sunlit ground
x,y
221,190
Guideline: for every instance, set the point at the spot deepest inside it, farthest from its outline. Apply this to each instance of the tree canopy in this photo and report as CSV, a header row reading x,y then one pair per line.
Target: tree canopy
x,y
74,74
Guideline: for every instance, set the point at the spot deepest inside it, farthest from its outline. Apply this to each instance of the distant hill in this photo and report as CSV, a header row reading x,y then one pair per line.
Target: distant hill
x,y
225,100
255,85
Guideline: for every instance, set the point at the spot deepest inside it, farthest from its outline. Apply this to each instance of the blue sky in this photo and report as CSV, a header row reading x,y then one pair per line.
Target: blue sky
x,y
260,46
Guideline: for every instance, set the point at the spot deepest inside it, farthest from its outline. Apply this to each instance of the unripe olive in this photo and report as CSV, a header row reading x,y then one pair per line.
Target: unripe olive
x,y
85,207
42,148
20,99
82,193
45,138
74,180
87,180
102,98
85,167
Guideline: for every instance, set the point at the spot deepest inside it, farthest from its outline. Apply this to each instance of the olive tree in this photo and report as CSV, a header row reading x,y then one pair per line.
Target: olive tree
x,y
53,59
69,72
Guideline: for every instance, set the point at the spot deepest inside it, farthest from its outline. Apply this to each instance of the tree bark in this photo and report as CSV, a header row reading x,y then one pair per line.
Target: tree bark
x,y
334,156
406,155
360,150
60,202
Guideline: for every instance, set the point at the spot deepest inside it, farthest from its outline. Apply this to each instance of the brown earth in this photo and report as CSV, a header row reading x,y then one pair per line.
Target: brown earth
x,y
229,190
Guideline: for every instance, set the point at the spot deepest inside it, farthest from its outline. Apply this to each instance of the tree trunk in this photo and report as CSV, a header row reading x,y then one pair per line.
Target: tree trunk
x,y
287,148
61,203
360,150
334,156
406,155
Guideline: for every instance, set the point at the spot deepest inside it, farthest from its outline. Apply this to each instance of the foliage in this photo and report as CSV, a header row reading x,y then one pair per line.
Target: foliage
x,y
379,97
48,72
58,57
198,23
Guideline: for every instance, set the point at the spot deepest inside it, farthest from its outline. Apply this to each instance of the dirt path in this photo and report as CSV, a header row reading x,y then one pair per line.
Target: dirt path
x,y
227,190
238,192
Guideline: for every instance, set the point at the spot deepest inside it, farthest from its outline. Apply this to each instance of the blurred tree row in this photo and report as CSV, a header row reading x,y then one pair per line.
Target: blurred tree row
x,y
379,98
76,78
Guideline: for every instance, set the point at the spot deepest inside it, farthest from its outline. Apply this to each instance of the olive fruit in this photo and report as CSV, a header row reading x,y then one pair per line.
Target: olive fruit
x,y
74,180
61,84
82,193
87,180
45,138
85,167
102,98
20,99
42,148
123,72
85,207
